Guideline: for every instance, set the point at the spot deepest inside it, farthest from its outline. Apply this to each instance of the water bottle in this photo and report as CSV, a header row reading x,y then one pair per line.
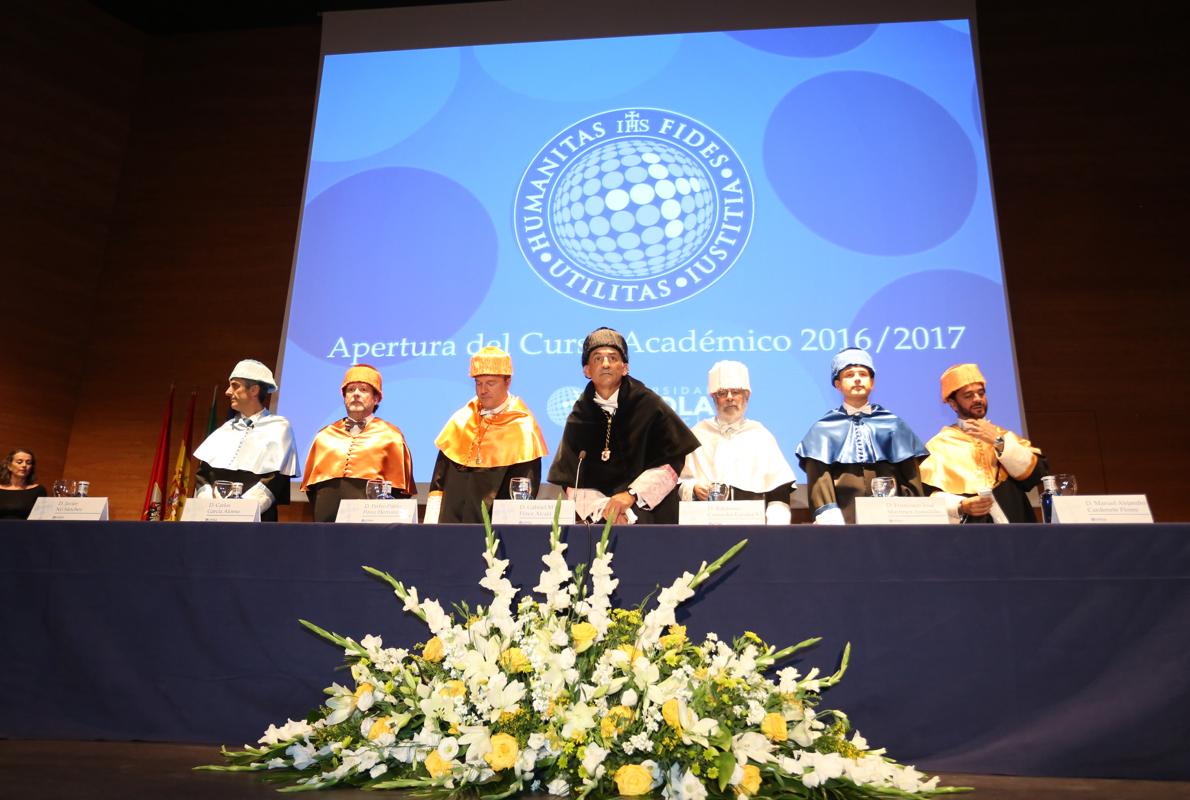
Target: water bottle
x,y
1049,488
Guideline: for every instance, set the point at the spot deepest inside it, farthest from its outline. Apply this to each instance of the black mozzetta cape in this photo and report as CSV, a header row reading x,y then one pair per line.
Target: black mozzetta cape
x,y
646,433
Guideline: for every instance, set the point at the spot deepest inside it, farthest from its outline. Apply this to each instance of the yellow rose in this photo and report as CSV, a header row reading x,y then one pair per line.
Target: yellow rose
x,y
750,783
436,765
378,729
433,651
514,660
675,638
615,721
773,726
454,688
633,779
583,634
504,752
631,651
671,712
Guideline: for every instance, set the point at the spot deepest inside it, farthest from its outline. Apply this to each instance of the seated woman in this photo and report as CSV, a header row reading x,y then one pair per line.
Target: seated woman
x,y
18,489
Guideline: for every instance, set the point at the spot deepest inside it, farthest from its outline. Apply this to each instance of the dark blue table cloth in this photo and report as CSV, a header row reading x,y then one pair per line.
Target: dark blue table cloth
x,y
1046,650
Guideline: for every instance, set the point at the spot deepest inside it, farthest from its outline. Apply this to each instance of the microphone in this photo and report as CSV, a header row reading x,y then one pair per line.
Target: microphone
x,y
578,469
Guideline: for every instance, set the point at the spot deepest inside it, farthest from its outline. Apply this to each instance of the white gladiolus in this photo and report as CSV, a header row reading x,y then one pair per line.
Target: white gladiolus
x,y
448,748
593,760
290,730
751,746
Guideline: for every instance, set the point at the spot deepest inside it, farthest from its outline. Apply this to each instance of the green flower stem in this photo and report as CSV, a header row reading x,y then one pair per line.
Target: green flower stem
x,y
334,638
772,658
708,570
838,676
400,783
490,540
556,527
515,787
398,587
601,548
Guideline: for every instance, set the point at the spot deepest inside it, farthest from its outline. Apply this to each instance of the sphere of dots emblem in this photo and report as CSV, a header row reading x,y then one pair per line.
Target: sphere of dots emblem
x,y
561,403
633,208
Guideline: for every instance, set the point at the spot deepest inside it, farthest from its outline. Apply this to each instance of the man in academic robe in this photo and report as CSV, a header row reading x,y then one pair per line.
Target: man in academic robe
x,y
854,443
981,471
254,448
360,447
737,451
485,444
623,446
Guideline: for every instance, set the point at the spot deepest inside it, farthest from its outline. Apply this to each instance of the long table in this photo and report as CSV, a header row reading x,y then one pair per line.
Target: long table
x,y
1033,650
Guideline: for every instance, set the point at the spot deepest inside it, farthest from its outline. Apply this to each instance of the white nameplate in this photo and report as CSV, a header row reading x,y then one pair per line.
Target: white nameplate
x,y
900,511
73,508
403,511
721,512
531,512
1102,508
218,509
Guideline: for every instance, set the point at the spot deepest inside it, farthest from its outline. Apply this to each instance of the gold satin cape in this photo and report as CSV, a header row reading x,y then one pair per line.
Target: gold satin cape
x,y
961,464
378,451
497,440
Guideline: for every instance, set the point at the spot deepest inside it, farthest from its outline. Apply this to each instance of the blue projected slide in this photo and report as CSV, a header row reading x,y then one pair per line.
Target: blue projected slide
x,y
767,196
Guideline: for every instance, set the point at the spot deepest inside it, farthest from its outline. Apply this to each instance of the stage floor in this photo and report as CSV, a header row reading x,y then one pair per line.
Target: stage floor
x,y
42,770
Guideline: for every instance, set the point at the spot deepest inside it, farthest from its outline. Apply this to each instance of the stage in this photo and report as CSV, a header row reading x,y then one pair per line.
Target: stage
x,y
1025,650
36,770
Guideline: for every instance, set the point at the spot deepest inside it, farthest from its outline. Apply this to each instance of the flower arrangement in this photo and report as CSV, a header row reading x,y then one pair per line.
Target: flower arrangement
x,y
568,696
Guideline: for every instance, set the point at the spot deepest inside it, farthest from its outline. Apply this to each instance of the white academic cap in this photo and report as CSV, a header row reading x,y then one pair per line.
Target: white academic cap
x,y
727,375
253,370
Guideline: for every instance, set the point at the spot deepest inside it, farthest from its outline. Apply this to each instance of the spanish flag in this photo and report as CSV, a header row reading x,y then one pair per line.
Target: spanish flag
x,y
183,478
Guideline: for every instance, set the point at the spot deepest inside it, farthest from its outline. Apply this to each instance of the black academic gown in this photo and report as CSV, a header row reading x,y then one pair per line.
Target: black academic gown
x,y
645,433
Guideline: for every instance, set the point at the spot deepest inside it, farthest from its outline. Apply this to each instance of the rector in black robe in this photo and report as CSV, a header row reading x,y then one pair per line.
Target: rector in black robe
x,y
622,441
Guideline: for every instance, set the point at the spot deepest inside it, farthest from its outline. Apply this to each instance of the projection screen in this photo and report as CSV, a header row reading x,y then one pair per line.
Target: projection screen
x,y
742,181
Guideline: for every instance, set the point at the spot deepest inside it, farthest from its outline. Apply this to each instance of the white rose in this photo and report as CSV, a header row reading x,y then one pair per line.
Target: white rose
x,y
558,787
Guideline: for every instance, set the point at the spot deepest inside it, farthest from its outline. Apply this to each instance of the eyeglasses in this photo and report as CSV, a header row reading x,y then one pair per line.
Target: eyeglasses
x,y
723,394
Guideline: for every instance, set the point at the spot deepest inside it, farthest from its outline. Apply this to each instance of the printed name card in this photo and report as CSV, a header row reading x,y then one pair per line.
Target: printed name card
x,y
900,511
722,512
403,511
218,509
90,509
1102,508
531,512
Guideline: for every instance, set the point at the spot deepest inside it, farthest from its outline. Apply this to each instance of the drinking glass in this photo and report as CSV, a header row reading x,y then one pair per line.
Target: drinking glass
x,y
1067,483
718,492
884,487
520,489
62,488
375,489
223,488
82,488
237,491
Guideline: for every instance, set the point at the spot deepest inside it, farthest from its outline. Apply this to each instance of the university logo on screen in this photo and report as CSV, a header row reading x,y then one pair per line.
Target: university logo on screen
x,y
634,209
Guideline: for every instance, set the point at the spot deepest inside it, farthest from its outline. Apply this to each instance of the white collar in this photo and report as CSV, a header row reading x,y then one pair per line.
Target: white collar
x,y
500,409
866,408
610,404
730,428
